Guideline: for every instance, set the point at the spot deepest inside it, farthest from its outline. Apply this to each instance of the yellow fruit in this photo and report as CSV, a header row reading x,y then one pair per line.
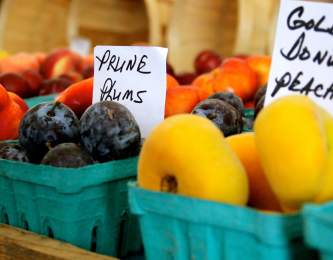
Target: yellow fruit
x,y
292,146
326,188
261,194
187,154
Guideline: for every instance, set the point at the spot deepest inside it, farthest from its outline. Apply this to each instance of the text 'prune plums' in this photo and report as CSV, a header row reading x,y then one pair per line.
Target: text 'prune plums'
x,y
109,132
45,126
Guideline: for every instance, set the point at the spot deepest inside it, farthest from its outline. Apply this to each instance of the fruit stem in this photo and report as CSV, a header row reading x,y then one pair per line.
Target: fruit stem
x,y
51,111
169,184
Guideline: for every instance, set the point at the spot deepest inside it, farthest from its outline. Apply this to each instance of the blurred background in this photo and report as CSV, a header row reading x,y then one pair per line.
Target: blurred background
x,y
186,27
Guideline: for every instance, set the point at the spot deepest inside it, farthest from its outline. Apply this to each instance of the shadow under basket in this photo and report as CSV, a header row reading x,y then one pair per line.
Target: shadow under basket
x,y
178,227
318,220
87,207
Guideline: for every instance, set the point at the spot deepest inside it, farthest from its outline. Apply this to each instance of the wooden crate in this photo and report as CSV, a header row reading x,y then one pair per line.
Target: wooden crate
x,y
197,25
256,26
228,27
159,12
18,244
109,22
40,25
36,25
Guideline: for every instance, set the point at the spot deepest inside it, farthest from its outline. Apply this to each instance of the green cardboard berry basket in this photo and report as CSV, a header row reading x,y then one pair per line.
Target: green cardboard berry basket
x,y
87,207
179,227
40,99
318,228
248,118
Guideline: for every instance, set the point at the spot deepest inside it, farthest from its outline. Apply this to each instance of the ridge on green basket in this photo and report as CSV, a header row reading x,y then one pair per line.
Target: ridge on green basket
x,y
37,100
86,206
171,230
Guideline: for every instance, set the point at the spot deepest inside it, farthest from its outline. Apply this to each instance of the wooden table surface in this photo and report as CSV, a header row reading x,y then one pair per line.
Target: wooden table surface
x,y
18,244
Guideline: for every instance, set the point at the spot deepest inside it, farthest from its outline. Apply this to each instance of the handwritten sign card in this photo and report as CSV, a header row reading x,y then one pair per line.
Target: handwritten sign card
x,y
134,76
303,53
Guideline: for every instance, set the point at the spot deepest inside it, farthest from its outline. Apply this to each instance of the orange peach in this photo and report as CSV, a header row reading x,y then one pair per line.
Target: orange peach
x,y
236,76
171,82
261,193
18,101
11,114
40,57
204,85
34,80
60,62
78,96
261,65
181,99
87,61
16,83
19,62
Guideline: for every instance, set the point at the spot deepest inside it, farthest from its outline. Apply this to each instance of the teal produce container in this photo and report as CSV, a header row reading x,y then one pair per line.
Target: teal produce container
x,y
178,227
248,118
318,228
40,99
87,207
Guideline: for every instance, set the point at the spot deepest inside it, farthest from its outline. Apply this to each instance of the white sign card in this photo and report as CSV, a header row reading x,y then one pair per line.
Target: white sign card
x,y
303,53
134,76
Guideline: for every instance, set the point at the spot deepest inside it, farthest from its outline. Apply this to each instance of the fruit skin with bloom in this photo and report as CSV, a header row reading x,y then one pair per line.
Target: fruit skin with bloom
x,y
188,155
294,138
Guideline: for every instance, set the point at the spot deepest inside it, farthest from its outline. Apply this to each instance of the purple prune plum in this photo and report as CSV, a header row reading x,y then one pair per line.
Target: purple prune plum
x,y
109,132
67,155
46,125
231,99
260,92
224,115
15,152
259,106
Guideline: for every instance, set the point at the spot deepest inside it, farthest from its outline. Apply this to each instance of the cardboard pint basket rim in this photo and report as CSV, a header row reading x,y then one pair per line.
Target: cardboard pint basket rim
x,y
267,227
68,180
318,228
87,206
33,101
